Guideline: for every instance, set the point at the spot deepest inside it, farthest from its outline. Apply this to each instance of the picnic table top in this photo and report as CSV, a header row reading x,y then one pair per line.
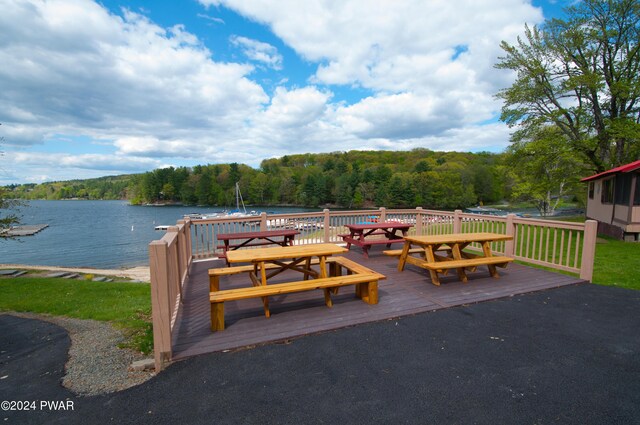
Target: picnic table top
x,y
379,225
263,234
283,252
458,238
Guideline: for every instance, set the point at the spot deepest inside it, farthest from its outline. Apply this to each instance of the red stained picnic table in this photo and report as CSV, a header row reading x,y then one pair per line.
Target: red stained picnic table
x,y
233,241
364,234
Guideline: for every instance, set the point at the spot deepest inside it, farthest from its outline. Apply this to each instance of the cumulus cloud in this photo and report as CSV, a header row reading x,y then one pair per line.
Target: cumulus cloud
x,y
430,64
76,67
86,161
156,95
42,166
258,51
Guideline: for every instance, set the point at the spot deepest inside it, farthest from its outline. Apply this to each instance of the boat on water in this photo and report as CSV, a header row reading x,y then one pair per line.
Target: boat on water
x,y
486,210
239,212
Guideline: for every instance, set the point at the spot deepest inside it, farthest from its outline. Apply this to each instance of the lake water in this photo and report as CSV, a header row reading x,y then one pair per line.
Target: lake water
x,y
102,234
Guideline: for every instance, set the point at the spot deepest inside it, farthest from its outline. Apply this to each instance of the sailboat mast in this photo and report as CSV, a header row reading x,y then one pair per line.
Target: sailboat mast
x,y
239,199
237,196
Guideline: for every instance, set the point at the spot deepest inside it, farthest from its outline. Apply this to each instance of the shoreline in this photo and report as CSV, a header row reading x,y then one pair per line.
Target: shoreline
x,y
140,273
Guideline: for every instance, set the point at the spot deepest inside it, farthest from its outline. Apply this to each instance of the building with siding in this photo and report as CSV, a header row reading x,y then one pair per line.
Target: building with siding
x,y
614,201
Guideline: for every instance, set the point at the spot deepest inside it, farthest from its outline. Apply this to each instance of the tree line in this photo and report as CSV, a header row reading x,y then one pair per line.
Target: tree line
x,y
353,179
102,188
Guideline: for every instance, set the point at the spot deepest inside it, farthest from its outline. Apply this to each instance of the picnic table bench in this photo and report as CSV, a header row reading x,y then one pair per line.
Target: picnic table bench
x,y
455,258
233,241
362,234
364,279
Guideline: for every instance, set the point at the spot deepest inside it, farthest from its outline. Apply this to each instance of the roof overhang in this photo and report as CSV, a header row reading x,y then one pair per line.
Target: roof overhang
x,y
621,169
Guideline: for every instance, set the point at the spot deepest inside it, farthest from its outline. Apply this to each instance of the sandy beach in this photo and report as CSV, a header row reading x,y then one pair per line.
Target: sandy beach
x,y
140,273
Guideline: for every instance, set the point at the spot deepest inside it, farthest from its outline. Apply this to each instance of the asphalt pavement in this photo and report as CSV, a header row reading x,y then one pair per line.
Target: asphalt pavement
x,y
564,356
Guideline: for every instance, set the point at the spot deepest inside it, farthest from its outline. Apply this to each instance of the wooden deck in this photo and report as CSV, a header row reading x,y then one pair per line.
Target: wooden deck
x,y
294,315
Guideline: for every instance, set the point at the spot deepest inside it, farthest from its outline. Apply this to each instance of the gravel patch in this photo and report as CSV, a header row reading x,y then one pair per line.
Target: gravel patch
x,y
96,365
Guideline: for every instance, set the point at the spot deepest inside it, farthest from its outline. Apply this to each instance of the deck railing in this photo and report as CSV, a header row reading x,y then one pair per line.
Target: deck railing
x,y
554,244
169,262
565,246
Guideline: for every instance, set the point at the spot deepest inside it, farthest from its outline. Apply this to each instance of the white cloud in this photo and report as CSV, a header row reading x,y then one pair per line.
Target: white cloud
x,y
86,161
211,18
429,64
42,166
390,45
258,51
76,68
156,95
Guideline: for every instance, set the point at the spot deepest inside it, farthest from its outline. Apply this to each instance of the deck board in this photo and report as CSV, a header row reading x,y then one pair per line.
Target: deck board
x,y
294,315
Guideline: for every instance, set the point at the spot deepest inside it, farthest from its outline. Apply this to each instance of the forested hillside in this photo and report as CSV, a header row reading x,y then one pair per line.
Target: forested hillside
x,y
351,179
347,179
112,187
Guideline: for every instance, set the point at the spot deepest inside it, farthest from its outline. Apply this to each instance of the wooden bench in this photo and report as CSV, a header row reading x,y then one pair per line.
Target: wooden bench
x,y
468,262
460,265
214,274
366,289
398,252
336,264
365,244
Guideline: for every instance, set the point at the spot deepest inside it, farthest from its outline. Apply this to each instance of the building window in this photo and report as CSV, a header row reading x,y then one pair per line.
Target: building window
x,y
623,189
636,196
606,197
592,186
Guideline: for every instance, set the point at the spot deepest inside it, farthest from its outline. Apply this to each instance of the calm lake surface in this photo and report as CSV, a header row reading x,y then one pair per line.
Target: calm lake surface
x,y
102,234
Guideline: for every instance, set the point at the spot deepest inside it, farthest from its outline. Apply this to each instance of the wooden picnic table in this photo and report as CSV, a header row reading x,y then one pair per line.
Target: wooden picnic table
x,y
269,262
454,245
364,234
233,241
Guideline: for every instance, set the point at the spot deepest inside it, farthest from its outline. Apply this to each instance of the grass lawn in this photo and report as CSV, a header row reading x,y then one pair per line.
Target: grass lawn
x,y
126,305
617,263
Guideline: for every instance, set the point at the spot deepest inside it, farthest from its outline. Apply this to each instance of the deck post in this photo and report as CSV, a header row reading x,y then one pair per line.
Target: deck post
x,y
183,262
457,221
383,214
187,239
263,221
509,246
588,250
327,225
178,259
418,221
160,299
184,248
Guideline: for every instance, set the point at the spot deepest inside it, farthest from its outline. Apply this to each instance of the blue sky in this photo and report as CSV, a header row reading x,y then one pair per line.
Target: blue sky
x,y
126,86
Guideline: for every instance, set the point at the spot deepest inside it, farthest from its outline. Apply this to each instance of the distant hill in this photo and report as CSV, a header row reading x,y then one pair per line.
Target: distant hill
x,y
419,177
110,187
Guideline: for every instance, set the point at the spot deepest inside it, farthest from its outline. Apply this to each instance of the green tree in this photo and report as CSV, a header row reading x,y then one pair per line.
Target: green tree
x,y
344,195
168,191
258,188
7,217
400,191
234,173
581,74
545,170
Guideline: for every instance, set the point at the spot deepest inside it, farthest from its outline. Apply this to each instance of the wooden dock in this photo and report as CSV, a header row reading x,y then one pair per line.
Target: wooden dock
x,y
26,230
294,315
